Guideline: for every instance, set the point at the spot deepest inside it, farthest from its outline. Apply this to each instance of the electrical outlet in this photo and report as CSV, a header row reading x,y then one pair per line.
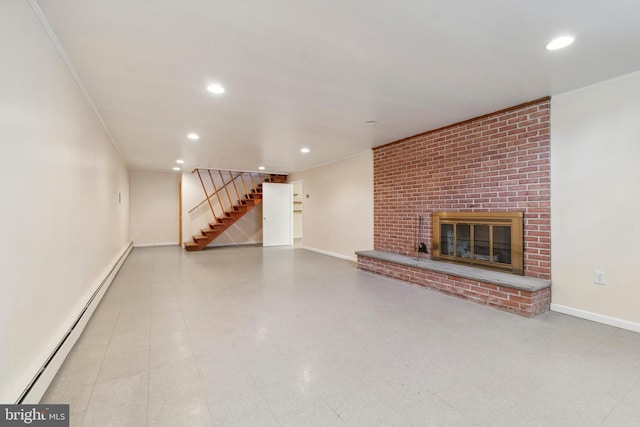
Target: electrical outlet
x,y
599,277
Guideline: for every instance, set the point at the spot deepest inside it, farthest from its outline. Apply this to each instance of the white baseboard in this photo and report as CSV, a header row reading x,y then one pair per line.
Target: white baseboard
x,y
38,386
348,258
595,317
146,245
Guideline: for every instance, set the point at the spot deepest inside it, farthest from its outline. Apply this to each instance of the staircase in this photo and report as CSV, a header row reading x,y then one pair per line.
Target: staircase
x,y
247,189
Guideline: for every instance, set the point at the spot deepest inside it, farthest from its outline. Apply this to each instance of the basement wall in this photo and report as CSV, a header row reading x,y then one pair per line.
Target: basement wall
x,y
65,199
155,206
595,147
337,216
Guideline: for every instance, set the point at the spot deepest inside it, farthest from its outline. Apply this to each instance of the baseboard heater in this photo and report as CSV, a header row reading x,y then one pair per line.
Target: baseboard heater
x,y
36,389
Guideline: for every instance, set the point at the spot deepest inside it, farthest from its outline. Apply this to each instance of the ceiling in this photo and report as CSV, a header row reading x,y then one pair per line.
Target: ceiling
x,y
311,73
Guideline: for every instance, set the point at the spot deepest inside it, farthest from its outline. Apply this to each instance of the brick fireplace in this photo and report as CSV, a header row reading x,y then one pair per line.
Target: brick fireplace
x,y
495,163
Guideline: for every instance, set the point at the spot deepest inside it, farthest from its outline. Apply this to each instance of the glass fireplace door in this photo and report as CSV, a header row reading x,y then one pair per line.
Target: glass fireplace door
x,y
486,239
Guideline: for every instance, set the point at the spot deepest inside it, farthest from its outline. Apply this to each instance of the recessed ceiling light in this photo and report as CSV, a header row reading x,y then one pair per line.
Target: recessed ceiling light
x,y
215,88
180,161
560,42
304,150
176,168
193,136
261,168
371,122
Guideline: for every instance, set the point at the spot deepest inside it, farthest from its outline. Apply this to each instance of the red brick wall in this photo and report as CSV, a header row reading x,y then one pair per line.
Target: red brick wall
x,y
496,162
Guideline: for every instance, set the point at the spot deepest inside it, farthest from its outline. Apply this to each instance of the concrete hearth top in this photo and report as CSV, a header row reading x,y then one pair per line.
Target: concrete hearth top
x,y
487,276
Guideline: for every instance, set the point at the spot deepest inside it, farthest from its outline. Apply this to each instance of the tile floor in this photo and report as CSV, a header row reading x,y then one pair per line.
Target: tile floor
x,y
245,336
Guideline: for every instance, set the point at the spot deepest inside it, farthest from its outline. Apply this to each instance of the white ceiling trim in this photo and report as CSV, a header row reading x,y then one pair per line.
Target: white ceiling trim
x,y
65,58
601,83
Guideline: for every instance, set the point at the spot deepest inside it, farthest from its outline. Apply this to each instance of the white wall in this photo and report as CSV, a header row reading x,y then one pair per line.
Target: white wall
x,y
338,214
62,224
155,201
247,229
595,187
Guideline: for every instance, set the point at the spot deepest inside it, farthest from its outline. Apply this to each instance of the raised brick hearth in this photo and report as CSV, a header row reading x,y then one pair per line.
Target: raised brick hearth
x,y
525,296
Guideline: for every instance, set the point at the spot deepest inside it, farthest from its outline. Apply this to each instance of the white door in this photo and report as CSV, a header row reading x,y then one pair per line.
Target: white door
x,y
276,214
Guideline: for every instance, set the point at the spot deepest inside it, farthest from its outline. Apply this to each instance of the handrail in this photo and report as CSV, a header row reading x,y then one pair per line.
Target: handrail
x,y
235,170
209,196
224,186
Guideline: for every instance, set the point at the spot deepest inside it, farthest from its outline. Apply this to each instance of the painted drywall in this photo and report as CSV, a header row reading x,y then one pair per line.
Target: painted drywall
x,y
595,147
246,230
155,201
338,206
65,199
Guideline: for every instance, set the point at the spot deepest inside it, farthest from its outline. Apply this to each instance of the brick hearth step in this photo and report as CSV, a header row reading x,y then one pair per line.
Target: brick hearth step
x,y
526,296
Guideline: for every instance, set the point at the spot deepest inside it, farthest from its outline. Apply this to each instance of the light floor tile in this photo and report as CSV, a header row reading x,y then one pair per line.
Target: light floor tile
x,y
119,402
182,404
376,416
286,397
429,410
258,416
235,405
77,397
126,345
174,373
478,402
623,415
315,415
78,374
76,419
570,408
251,336
170,339
124,365
86,355
165,355
161,324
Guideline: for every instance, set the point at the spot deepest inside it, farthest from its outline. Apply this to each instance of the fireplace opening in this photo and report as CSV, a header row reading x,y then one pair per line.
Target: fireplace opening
x,y
491,240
